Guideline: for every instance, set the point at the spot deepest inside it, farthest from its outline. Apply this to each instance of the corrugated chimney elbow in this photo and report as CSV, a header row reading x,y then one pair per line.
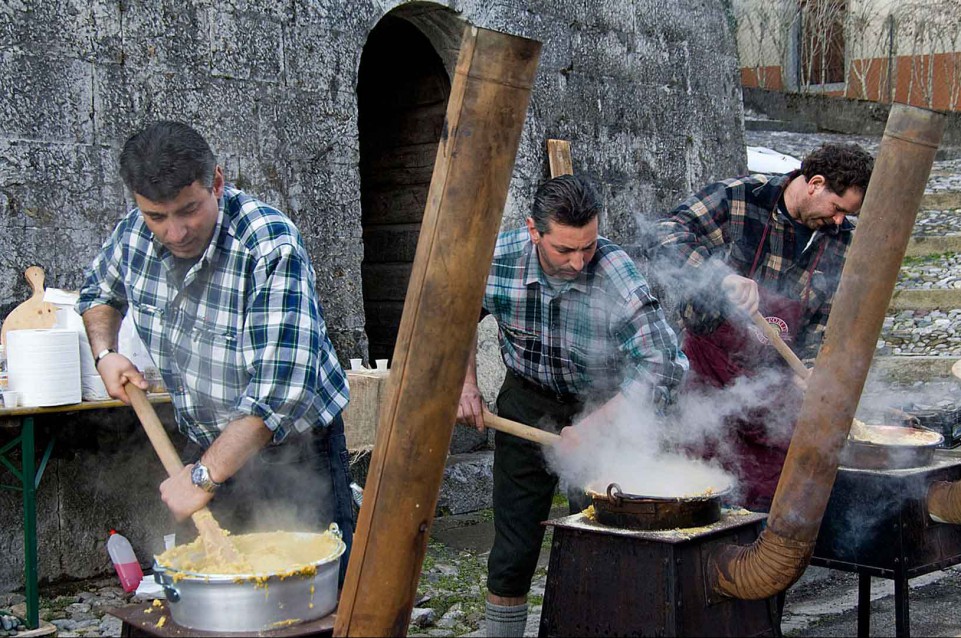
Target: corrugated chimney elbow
x,y
761,570
944,502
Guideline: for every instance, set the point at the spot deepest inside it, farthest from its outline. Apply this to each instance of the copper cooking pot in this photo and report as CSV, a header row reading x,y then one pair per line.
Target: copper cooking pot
x,y
635,511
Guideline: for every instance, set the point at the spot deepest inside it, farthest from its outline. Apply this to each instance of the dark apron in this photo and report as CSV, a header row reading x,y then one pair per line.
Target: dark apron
x,y
739,349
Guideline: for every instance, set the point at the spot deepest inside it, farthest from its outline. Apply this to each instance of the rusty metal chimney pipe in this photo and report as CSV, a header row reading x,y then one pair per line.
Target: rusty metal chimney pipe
x,y
781,554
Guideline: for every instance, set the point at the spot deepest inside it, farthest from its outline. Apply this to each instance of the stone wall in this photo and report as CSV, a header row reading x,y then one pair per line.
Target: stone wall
x,y
647,92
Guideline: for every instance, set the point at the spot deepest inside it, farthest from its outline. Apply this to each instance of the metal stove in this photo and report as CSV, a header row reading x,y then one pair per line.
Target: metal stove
x,y
611,581
877,524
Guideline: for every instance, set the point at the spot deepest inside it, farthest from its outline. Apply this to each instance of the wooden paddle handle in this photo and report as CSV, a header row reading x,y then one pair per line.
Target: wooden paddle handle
x,y
519,429
34,276
783,349
214,538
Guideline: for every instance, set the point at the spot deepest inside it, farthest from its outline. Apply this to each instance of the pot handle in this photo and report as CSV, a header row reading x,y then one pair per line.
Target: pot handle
x,y
334,530
614,493
161,578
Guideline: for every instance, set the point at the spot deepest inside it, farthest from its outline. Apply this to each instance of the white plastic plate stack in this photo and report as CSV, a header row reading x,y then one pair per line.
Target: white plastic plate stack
x,y
44,366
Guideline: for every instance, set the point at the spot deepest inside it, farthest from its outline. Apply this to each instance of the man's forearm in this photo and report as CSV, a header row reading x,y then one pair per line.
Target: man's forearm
x,y
239,441
103,325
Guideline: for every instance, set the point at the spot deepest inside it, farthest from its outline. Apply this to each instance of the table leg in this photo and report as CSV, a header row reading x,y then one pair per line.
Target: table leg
x,y
30,481
864,605
902,619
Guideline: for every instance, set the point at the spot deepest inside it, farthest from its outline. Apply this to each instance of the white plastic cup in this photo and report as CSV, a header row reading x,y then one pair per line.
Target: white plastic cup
x,y
381,364
356,364
11,398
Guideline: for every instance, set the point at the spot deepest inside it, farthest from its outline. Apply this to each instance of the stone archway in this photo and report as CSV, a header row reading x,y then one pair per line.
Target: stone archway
x,y
402,92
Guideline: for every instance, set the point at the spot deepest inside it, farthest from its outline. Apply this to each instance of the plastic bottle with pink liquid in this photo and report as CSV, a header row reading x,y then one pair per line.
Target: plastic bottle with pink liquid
x,y
124,561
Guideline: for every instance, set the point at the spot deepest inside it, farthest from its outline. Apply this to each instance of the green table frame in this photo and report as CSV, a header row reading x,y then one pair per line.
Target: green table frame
x,y
28,477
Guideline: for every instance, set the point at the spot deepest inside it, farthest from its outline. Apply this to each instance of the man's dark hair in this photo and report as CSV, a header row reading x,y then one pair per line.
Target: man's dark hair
x,y
164,158
841,165
569,200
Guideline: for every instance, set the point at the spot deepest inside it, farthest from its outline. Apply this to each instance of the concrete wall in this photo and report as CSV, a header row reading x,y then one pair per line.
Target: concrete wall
x,y
837,114
647,91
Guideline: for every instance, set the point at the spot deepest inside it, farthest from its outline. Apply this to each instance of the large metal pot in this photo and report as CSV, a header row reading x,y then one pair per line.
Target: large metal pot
x,y
252,602
635,511
865,455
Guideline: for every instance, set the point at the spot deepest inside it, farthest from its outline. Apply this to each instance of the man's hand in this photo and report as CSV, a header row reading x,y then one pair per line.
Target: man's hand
x,y
571,439
181,496
470,410
742,292
116,371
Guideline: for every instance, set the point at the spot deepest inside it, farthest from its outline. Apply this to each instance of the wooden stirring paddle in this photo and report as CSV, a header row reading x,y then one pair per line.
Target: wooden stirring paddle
x,y
215,540
520,430
859,431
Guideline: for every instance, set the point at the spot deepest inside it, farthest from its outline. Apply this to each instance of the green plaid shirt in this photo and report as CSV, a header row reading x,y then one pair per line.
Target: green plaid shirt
x,y
718,230
242,334
595,334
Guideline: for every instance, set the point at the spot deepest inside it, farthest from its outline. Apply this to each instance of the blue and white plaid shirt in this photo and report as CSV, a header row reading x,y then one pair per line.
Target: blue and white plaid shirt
x,y
602,331
243,334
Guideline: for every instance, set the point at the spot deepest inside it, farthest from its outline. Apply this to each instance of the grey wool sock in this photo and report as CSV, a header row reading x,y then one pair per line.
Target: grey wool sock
x,y
507,621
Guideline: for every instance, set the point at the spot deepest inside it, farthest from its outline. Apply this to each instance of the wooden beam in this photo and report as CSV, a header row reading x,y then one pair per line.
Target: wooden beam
x,y
559,157
475,159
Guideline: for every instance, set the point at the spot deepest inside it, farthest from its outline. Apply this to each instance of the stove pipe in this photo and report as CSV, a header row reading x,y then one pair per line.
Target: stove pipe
x,y
782,551
944,502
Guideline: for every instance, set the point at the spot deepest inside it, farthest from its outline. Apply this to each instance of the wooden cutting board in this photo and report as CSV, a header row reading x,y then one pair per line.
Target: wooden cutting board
x,y
34,312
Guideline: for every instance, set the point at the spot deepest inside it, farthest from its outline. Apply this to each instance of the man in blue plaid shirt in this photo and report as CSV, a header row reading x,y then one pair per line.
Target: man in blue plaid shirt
x,y
222,293
577,324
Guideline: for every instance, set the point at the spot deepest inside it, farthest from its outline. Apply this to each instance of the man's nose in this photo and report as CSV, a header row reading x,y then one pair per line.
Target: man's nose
x,y
838,219
176,232
577,261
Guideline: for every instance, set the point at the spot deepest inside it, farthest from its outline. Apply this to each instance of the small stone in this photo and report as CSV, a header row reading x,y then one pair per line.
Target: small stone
x,y
422,617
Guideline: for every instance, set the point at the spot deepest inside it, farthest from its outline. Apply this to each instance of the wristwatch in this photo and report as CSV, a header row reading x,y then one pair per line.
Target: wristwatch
x,y
103,353
200,476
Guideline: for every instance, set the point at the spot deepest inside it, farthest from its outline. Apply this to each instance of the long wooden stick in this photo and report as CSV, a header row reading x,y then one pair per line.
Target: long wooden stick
x,y
783,349
526,432
213,537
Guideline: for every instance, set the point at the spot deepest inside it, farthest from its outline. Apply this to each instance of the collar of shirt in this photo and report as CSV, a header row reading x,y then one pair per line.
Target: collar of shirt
x,y
535,274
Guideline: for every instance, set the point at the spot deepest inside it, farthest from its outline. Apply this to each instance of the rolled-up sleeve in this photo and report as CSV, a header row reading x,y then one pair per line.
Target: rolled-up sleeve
x,y
294,372
656,363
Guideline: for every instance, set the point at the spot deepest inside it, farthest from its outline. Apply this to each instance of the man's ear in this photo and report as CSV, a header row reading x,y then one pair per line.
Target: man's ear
x,y
218,186
816,183
532,230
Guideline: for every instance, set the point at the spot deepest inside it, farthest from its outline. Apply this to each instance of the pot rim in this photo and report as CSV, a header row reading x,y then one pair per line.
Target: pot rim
x,y
184,575
936,439
641,498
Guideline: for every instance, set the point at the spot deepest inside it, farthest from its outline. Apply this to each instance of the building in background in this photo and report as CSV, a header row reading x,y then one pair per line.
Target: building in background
x,y
880,50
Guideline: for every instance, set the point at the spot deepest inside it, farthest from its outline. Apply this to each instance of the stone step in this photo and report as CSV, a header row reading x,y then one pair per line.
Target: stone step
x,y
925,299
910,369
942,200
933,245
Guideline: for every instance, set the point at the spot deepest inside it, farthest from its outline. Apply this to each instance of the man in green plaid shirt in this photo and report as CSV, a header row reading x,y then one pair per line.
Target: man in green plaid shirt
x,y
222,293
577,324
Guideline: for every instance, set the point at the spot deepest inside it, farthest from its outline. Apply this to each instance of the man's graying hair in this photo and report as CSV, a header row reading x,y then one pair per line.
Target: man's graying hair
x,y
843,166
568,200
160,161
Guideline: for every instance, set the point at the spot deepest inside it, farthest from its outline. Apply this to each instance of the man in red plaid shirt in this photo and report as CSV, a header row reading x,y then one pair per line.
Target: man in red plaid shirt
x,y
774,244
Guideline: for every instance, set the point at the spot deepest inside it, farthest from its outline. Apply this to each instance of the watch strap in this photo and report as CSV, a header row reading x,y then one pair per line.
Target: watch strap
x,y
103,353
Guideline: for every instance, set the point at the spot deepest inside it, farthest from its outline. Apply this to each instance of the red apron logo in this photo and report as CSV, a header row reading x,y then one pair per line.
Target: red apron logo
x,y
778,323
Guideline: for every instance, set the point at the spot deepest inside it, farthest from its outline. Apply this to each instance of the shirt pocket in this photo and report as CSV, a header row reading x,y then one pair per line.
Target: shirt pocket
x,y
218,354
522,343
149,321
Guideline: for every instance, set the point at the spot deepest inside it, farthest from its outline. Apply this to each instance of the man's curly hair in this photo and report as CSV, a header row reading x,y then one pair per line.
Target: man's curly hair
x,y
842,165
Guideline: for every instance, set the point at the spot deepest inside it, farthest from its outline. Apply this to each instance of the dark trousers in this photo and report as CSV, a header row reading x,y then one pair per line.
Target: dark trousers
x,y
523,485
303,484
